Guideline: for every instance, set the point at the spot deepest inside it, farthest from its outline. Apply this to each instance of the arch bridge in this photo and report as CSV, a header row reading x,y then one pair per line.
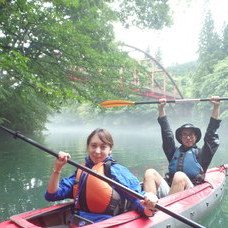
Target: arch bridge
x,y
160,83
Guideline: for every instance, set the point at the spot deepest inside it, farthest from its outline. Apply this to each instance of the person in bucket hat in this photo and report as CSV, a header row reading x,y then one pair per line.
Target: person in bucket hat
x,y
187,163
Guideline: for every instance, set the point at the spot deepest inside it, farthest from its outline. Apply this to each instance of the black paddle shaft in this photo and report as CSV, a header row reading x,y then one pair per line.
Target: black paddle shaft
x,y
104,178
180,100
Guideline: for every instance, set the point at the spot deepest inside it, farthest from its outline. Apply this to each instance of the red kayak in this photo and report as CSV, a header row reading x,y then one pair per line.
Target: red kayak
x,y
194,204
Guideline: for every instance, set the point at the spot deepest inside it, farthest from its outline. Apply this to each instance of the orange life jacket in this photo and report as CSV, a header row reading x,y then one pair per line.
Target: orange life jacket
x,y
96,196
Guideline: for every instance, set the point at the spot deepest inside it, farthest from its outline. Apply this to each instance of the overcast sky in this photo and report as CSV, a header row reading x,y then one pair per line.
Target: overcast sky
x,y
179,43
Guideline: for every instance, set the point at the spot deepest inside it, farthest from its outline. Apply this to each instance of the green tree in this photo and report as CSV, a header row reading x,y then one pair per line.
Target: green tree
x,y
225,41
64,49
183,75
158,55
209,53
143,13
216,84
210,43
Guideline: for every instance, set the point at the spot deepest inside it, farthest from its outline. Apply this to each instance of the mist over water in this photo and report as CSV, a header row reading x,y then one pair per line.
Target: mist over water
x,y
127,139
137,145
131,133
133,122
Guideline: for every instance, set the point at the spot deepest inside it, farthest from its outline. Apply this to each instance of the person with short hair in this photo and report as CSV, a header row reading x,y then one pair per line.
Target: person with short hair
x,y
187,163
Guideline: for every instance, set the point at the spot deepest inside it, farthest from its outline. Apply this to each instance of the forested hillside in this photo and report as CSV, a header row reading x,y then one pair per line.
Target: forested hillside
x,y
208,76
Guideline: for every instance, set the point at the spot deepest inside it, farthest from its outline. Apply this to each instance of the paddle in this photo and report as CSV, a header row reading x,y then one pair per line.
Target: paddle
x,y
104,178
114,103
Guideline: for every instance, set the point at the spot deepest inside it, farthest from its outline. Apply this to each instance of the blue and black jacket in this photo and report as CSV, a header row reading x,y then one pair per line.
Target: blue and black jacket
x,y
119,174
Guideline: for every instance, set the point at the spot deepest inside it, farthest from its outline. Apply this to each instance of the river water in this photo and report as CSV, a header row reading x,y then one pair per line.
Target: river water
x,y
25,170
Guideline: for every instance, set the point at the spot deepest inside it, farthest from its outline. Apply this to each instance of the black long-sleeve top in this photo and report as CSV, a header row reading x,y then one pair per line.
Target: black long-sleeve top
x,y
206,153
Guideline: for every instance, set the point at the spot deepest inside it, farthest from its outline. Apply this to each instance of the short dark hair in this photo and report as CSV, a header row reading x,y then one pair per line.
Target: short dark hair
x,y
103,135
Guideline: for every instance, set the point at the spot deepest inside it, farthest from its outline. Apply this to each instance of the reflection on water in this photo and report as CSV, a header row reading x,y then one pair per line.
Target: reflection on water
x,y
25,170
33,183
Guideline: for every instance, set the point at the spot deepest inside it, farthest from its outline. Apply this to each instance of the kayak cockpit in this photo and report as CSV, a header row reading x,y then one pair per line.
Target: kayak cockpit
x,y
57,217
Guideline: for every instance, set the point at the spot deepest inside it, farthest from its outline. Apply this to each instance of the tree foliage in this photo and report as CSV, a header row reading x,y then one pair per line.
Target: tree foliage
x,y
52,51
203,78
225,41
155,13
211,76
210,52
210,42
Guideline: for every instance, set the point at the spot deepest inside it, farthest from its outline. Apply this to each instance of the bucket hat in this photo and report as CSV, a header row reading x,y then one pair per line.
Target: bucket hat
x,y
196,130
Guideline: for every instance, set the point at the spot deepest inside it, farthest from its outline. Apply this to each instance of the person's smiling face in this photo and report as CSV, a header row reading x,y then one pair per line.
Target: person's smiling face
x,y
98,150
188,137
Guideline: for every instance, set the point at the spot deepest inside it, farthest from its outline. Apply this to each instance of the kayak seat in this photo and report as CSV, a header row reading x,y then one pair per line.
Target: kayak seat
x,y
78,221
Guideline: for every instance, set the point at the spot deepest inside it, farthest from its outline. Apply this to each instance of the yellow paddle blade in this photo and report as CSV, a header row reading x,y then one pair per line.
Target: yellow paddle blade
x,y
114,103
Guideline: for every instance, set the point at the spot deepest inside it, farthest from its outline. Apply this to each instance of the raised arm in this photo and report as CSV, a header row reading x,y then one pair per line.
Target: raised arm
x,y
53,183
161,107
168,142
211,138
216,109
